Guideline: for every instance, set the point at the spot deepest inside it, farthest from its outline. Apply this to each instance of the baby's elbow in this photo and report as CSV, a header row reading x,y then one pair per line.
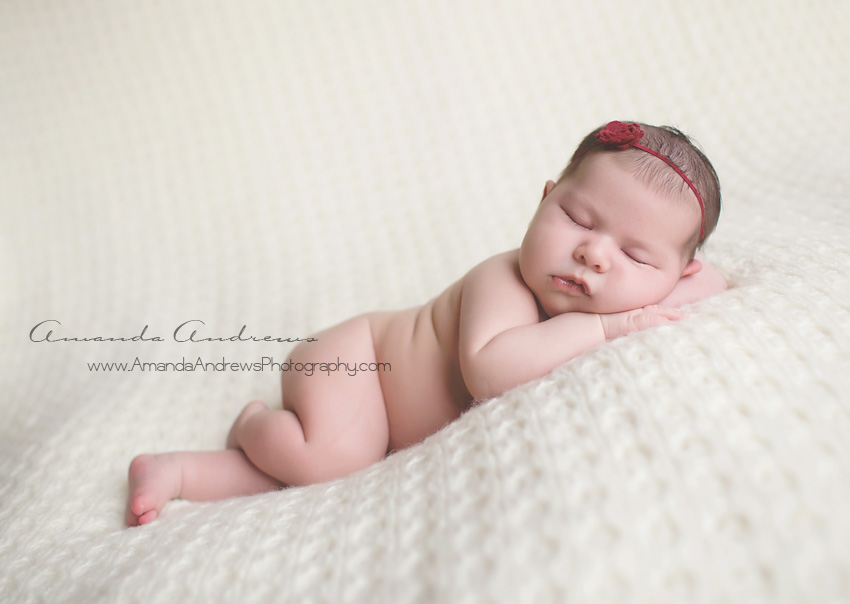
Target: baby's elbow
x,y
481,391
478,378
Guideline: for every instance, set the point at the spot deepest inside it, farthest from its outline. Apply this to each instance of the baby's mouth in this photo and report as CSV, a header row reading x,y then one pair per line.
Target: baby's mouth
x,y
572,284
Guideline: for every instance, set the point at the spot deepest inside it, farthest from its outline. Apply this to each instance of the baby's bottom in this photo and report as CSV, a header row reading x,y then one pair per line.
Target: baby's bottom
x,y
332,424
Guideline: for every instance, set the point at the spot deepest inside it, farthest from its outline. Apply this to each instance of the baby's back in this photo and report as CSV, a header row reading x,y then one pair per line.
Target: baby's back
x,y
424,389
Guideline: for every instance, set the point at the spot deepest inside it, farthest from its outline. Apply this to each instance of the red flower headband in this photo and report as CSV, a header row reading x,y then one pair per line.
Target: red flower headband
x,y
618,135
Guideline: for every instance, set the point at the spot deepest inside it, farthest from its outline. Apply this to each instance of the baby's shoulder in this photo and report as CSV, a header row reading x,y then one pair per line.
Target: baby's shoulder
x,y
505,265
498,275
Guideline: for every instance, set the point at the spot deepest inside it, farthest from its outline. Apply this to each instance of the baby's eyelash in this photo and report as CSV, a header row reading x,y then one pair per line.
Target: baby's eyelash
x,y
635,259
574,221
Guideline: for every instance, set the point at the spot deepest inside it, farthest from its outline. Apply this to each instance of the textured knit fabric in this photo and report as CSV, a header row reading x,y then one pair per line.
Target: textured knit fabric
x,y
285,165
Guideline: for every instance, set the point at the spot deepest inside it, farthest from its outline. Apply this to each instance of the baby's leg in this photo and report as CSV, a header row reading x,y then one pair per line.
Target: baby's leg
x,y
199,476
332,424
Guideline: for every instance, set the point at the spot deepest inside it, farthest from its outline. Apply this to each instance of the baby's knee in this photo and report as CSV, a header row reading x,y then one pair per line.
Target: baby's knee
x,y
270,429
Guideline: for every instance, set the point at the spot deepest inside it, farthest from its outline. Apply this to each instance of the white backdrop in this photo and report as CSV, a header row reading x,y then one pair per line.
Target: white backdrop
x,y
285,165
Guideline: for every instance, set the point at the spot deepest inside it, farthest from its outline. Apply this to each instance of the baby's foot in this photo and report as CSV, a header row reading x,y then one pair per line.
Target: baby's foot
x,y
154,480
249,410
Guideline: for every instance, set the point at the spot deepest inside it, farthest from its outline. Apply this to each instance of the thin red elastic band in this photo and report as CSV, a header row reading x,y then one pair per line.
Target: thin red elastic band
x,y
618,135
678,170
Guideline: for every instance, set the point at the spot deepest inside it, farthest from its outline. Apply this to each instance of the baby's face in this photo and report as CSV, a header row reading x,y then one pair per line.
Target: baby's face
x,y
603,241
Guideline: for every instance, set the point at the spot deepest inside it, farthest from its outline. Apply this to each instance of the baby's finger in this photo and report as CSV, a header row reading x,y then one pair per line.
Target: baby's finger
x,y
671,313
664,311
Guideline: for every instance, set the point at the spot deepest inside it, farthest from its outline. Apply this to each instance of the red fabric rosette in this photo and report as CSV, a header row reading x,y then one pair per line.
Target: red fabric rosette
x,y
620,135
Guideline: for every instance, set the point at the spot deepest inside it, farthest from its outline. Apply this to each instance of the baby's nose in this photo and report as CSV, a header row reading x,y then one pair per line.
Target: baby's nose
x,y
593,255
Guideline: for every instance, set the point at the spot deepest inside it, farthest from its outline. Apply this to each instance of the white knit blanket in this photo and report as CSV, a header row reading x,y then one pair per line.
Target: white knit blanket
x,y
285,165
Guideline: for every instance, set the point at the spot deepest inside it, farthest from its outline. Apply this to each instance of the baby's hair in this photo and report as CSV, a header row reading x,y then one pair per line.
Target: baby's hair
x,y
676,146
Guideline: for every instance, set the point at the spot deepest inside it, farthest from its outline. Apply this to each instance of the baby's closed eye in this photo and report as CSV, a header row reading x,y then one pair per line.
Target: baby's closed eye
x,y
581,223
637,257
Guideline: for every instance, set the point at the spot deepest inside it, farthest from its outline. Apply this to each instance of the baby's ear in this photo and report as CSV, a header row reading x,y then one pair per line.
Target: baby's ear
x,y
694,266
550,184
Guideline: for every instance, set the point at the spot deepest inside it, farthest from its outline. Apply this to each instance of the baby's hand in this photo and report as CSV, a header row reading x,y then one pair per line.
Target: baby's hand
x,y
621,323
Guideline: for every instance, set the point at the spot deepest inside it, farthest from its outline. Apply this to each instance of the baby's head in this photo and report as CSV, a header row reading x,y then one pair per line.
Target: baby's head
x,y
683,170
620,227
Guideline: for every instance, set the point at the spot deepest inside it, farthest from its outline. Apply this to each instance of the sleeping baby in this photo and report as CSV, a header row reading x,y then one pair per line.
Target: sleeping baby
x,y
610,250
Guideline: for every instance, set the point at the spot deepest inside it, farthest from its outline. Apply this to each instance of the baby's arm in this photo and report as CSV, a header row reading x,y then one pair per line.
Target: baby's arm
x,y
503,342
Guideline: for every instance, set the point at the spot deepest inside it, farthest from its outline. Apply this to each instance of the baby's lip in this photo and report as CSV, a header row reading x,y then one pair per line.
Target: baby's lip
x,y
569,279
